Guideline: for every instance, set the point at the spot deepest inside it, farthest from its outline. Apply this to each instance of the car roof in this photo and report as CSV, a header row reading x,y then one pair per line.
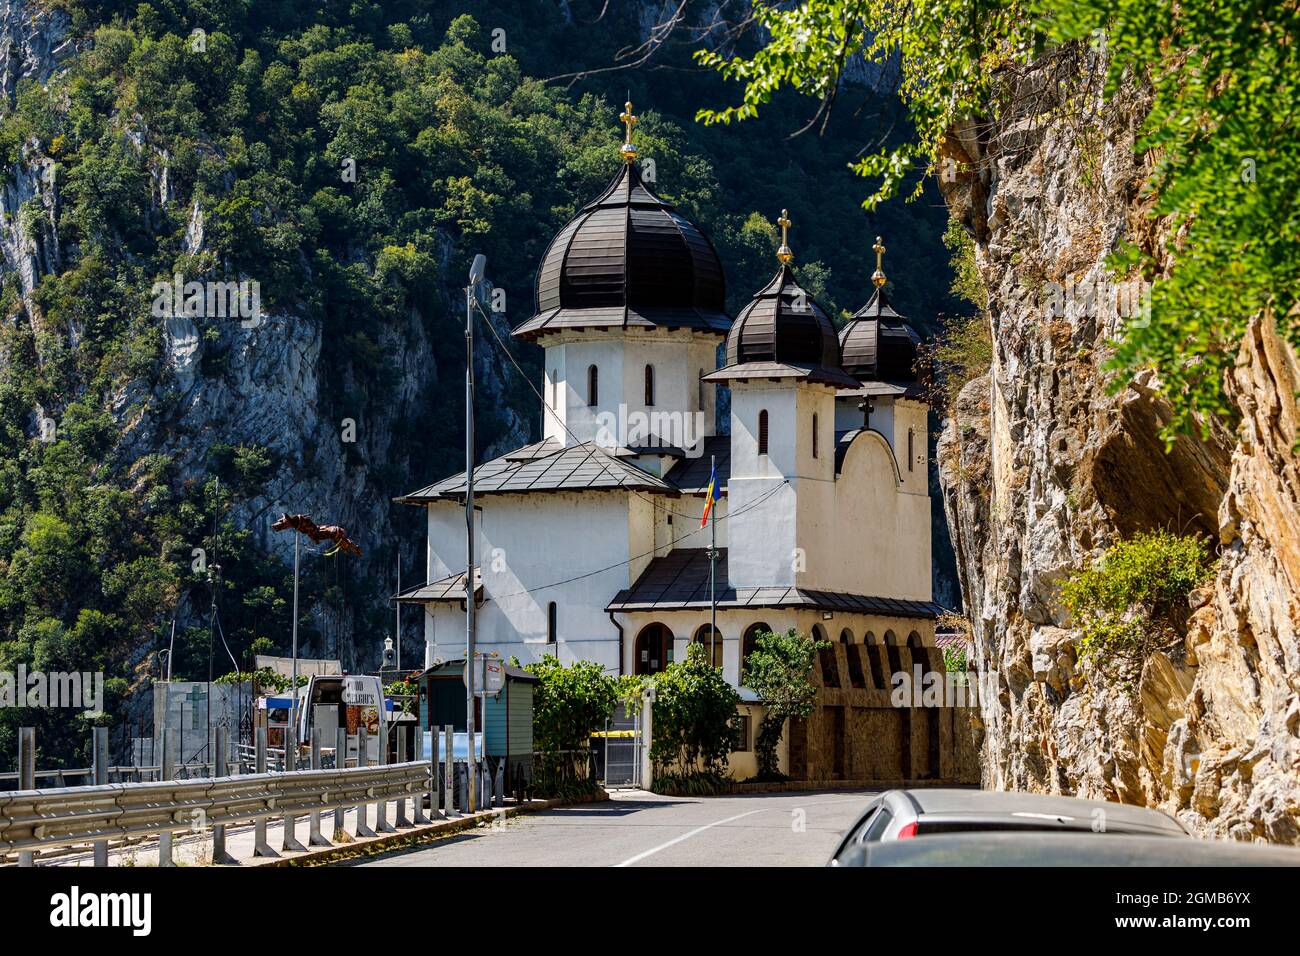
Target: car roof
x,y
962,804
1065,849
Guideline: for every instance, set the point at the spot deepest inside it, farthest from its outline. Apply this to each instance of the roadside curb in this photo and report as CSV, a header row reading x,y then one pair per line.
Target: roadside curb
x,y
426,833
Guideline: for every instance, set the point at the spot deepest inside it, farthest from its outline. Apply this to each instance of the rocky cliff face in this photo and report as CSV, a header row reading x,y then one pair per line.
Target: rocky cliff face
x,y
257,383
1042,467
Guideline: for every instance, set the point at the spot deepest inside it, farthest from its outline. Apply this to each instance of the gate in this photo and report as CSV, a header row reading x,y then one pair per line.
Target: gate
x,y
623,749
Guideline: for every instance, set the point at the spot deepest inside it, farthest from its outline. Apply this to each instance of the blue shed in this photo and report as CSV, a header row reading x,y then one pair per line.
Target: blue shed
x,y
506,719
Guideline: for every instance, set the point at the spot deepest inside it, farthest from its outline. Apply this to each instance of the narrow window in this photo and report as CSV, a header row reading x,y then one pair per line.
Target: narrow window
x,y
911,456
762,432
551,622
593,386
555,388
649,386
814,436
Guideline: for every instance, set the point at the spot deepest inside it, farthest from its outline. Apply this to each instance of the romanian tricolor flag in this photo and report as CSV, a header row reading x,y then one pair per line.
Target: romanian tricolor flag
x,y
710,496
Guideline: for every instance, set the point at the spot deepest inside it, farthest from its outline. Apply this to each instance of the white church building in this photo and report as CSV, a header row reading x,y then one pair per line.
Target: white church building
x,y
589,541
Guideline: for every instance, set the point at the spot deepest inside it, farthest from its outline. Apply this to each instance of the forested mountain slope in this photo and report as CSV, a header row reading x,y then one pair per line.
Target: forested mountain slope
x,y
350,159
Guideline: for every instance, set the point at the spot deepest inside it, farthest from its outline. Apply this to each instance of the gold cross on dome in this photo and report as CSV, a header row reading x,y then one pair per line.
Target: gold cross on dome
x,y
628,150
878,277
784,254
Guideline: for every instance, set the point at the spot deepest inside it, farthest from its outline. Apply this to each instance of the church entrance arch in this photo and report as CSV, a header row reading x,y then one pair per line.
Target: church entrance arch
x,y
653,650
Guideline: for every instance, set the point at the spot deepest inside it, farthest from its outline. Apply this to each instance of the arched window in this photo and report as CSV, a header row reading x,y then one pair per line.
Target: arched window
x,y
911,454
762,432
712,641
814,435
818,633
593,386
846,636
869,638
914,640
750,641
649,386
890,639
552,622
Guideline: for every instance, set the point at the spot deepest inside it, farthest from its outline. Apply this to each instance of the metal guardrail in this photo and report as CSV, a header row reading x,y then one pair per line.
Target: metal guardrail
x,y
51,819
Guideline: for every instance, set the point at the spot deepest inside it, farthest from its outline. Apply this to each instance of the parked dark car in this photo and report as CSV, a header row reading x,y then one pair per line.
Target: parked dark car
x,y
1064,848
905,814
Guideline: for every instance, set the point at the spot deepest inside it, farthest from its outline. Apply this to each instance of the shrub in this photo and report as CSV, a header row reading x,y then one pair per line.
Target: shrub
x,y
778,670
570,703
1129,602
694,724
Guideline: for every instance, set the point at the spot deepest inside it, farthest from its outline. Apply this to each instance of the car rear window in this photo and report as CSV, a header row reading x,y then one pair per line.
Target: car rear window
x,y
879,825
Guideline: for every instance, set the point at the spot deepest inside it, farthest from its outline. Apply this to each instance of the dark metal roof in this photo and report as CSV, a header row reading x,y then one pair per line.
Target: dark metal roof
x,y
680,581
691,475
629,260
545,466
783,333
878,343
446,589
778,370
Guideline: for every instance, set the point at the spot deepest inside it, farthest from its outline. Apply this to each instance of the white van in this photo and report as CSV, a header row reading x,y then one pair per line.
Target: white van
x,y
352,701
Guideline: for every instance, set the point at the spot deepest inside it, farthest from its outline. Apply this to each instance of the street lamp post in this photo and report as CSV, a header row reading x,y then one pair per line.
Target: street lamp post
x,y
476,274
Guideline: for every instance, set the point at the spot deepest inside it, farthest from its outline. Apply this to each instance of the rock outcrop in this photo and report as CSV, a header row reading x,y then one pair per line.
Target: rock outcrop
x,y
1042,466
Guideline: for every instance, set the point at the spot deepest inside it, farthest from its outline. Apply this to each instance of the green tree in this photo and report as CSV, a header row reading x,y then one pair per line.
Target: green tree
x,y
693,724
779,669
570,703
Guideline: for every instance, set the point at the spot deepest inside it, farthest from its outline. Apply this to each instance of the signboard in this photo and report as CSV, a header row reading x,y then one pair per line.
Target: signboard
x,y
361,691
489,675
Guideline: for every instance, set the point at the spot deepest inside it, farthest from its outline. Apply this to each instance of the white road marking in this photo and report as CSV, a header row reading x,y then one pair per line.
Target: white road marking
x,y
686,836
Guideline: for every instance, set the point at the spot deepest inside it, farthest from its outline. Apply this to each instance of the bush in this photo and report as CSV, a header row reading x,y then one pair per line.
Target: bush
x,y
1131,600
694,724
570,703
778,670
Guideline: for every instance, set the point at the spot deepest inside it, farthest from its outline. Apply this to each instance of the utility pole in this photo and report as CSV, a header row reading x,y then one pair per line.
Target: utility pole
x,y
475,277
397,610
293,711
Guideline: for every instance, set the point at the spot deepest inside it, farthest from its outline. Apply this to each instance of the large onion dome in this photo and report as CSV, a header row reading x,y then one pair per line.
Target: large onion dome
x,y
783,333
629,260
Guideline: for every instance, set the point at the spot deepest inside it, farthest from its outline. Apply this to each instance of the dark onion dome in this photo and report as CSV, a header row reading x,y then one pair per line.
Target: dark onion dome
x,y
878,344
629,260
783,333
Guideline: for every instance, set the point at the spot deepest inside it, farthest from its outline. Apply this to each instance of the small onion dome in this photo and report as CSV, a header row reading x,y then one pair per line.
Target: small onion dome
x,y
783,333
629,260
878,344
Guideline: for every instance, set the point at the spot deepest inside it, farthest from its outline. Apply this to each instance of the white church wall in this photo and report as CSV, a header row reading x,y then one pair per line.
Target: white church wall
x,y
910,418
762,530
532,548
683,410
881,540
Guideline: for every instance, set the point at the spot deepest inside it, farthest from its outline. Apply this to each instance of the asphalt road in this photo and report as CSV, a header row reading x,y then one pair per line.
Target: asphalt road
x,y
635,828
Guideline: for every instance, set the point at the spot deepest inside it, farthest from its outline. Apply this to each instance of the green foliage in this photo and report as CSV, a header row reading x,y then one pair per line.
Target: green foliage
x,y
570,703
1221,129
779,669
1131,600
264,678
694,722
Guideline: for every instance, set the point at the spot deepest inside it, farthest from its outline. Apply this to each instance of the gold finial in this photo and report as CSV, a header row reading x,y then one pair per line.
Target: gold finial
x,y
878,277
784,255
628,150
